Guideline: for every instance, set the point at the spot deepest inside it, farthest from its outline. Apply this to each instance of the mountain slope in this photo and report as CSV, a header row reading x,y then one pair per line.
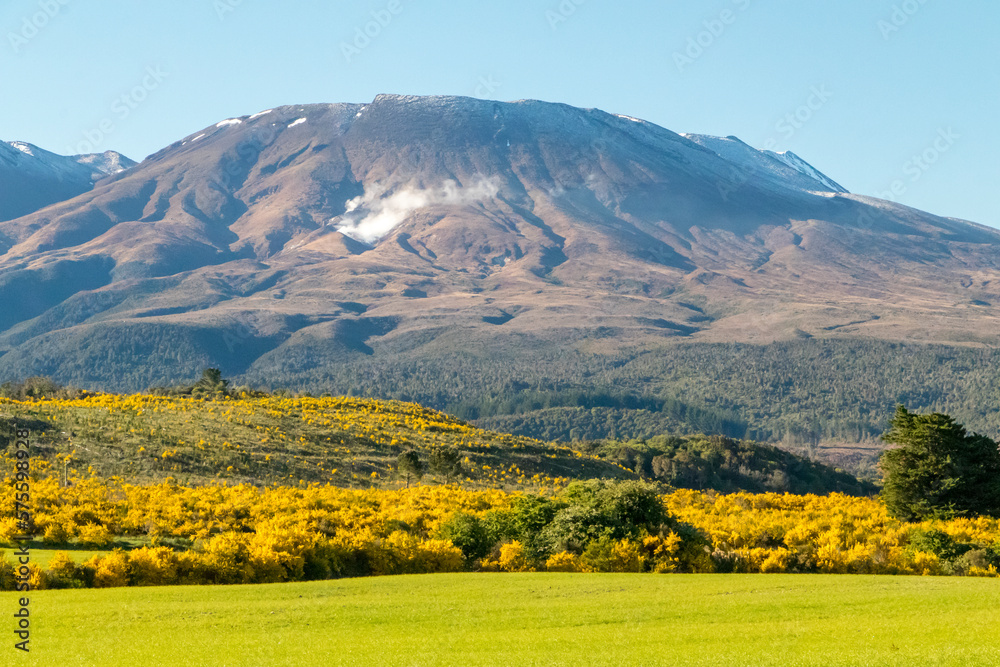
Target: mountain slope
x,y
293,244
32,178
783,169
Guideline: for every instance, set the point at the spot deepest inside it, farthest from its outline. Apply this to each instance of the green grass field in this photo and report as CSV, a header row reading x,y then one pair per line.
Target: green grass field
x,y
42,554
42,557
529,619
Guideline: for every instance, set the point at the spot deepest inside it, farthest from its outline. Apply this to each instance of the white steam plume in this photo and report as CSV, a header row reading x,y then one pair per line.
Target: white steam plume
x,y
374,214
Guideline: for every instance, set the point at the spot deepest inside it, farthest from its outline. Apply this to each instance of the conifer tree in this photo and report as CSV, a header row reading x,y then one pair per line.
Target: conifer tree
x,y
938,469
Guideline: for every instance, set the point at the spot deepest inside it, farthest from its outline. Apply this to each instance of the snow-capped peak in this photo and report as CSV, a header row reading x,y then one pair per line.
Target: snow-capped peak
x,y
800,165
108,162
92,167
23,147
786,168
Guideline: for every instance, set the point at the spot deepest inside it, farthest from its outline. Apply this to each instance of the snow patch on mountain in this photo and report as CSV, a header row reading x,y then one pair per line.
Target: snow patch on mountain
x,y
371,216
230,121
297,122
800,165
783,169
108,163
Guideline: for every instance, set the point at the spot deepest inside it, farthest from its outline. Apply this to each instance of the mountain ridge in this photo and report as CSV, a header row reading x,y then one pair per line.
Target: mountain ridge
x,y
32,178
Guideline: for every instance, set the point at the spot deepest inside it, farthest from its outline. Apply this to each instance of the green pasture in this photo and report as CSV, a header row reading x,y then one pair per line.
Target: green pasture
x,y
42,554
523,619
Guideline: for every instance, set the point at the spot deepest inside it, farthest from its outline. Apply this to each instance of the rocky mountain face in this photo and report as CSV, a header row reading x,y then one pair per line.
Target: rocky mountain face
x,y
32,178
305,237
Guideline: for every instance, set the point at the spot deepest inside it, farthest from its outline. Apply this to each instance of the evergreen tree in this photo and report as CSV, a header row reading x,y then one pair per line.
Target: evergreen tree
x,y
409,465
938,468
446,462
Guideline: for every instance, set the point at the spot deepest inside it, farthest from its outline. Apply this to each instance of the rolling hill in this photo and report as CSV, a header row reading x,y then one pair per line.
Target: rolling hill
x,y
266,440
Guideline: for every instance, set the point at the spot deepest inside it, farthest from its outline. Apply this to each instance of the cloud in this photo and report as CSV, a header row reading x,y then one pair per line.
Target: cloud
x,y
374,214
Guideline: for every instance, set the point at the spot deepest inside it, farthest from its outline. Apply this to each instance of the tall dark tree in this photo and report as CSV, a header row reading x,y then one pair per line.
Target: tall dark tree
x,y
409,465
446,462
938,468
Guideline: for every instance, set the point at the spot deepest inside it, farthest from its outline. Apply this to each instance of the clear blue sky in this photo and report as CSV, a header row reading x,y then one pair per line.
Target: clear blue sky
x,y
884,96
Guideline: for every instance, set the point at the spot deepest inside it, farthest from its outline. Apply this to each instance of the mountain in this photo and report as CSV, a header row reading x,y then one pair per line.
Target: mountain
x,y
32,178
781,169
361,246
107,163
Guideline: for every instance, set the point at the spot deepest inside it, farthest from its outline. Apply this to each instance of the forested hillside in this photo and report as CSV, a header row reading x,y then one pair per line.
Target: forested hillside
x,y
726,465
820,398
801,394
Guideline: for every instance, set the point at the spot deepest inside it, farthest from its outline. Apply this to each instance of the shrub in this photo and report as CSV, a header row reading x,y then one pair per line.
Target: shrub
x,y
512,558
564,561
927,564
609,555
777,561
152,566
95,535
64,573
399,553
470,534
56,533
8,531
662,551
937,542
110,571
627,557
278,553
227,559
440,556
7,575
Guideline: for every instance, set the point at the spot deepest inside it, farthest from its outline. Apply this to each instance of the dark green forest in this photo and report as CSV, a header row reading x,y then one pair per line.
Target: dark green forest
x,y
725,465
798,394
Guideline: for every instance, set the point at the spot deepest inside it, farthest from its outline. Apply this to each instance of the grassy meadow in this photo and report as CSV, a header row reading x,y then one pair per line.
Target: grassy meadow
x,y
525,619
